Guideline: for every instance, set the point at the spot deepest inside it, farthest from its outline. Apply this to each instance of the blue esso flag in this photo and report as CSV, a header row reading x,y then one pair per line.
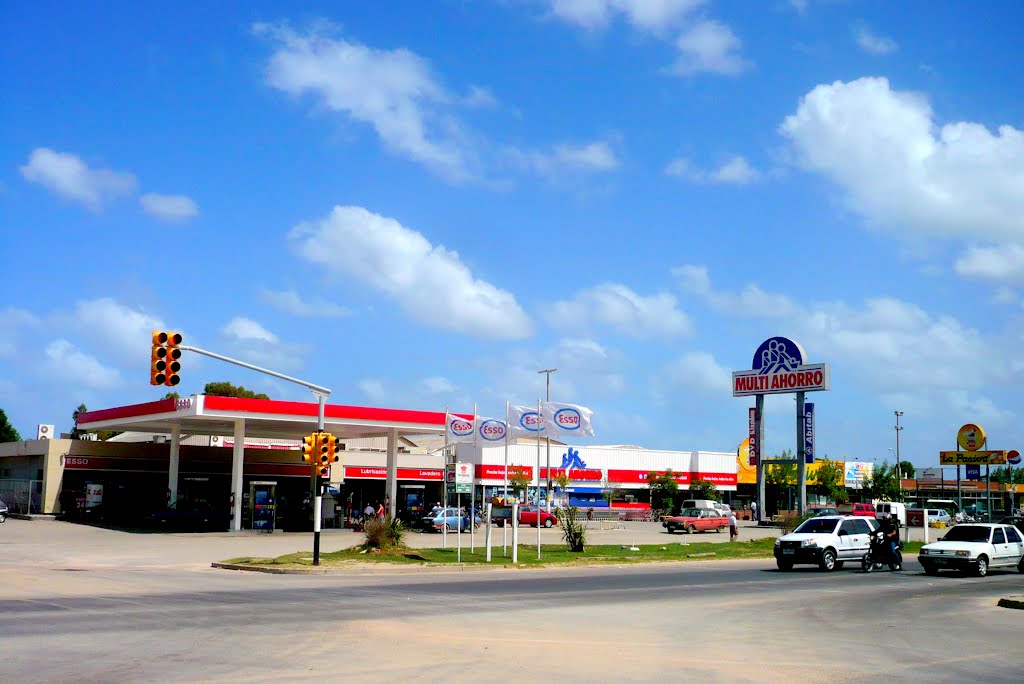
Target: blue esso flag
x,y
524,422
459,430
490,430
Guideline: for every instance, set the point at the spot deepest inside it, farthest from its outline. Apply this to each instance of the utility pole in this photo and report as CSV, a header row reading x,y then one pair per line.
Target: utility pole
x,y
547,439
899,474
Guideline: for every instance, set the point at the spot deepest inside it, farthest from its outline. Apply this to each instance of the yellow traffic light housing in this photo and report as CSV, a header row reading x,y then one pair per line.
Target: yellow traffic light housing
x,y
323,451
165,360
158,366
308,447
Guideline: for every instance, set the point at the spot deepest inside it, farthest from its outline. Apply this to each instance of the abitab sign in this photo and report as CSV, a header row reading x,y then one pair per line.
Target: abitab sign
x,y
779,368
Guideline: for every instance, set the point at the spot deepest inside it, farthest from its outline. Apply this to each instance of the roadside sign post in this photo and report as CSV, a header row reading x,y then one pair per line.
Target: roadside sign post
x,y
487,533
515,532
472,519
458,524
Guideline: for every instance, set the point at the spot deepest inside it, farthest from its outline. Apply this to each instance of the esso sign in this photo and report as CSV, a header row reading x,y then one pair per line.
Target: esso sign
x,y
568,419
492,430
461,427
530,421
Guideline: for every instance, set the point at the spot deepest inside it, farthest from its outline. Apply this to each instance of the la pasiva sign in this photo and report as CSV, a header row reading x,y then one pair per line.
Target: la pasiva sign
x,y
778,368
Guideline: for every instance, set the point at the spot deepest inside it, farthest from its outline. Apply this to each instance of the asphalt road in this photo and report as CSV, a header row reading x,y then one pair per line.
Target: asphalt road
x,y
152,619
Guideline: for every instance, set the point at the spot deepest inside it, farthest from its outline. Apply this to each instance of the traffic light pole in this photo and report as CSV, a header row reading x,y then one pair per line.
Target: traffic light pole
x,y
321,394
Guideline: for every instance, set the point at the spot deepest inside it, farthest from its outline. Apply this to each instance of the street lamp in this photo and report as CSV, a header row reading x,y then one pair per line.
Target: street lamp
x,y
899,474
547,438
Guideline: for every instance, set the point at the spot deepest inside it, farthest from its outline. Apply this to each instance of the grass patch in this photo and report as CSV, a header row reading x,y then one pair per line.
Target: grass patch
x,y
551,554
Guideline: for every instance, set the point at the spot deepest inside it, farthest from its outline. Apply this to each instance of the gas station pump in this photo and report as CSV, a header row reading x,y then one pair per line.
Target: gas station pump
x,y
263,505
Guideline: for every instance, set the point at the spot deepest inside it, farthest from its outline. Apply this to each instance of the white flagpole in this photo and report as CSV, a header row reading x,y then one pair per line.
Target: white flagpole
x,y
504,496
444,488
539,427
472,494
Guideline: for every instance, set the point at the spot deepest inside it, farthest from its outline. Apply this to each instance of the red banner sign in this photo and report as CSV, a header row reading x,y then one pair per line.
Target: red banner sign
x,y
497,472
641,476
369,473
575,475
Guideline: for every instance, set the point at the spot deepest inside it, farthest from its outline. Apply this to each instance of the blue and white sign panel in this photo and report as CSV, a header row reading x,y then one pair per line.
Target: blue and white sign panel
x,y
778,368
973,472
808,433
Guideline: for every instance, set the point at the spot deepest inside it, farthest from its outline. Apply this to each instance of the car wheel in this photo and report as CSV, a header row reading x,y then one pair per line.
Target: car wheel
x,y
447,528
672,530
784,566
839,565
981,566
690,529
828,560
548,523
3,517
930,569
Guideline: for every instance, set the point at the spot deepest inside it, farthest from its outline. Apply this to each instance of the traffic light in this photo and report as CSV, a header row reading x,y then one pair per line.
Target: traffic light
x,y
158,366
165,361
323,465
173,358
308,447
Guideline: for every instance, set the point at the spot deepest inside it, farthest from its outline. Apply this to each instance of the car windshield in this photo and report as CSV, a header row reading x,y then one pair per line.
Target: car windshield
x,y
968,533
691,512
817,526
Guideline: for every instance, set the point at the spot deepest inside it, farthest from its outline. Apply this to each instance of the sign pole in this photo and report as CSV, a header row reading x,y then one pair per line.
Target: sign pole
x,y
487,533
959,501
988,493
472,519
539,425
759,431
515,532
458,517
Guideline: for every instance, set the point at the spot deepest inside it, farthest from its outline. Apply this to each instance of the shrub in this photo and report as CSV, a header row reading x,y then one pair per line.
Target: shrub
x,y
384,533
573,531
791,522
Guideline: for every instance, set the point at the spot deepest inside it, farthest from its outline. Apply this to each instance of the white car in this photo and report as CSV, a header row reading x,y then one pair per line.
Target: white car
x,y
974,548
826,541
939,516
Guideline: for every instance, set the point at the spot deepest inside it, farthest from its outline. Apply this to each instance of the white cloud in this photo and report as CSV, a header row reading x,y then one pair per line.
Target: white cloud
x,y
430,282
902,171
752,301
70,366
1002,264
734,171
394,91
708,46
593,157
290,302
700,371
617,306
437,385
651,15
71,178
373,390
244,329
799,5
173,208
873,43
13,323
115,327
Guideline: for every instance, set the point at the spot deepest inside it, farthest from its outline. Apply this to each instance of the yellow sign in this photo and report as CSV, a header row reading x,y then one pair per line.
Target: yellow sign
x,y
972,457
745,473
971,437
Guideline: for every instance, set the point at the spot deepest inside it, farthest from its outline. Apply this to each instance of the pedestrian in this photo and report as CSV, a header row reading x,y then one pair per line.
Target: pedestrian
x,y
368,511
380,510
733,531
753,510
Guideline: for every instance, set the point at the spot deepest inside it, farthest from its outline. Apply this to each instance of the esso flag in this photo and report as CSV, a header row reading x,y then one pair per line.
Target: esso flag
x,y
458,430
523,421
567,419
490,430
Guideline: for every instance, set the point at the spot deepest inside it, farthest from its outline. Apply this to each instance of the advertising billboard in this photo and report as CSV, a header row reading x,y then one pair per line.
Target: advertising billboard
x,y
855,472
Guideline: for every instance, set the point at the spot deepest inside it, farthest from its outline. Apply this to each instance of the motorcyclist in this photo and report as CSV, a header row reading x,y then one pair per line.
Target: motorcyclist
x,y
890,527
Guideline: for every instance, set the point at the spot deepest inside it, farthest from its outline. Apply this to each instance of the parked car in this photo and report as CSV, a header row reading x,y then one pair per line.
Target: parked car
x,y
3,512
528,516
819,511
696,520
975,548
866,510
454,519
939,515
189,515
827,542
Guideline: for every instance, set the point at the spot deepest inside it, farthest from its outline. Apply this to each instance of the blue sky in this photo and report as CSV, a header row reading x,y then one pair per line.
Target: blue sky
x,y
421,204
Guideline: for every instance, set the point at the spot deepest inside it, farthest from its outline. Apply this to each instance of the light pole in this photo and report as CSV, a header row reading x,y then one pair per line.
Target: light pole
x,y
899,474
547,438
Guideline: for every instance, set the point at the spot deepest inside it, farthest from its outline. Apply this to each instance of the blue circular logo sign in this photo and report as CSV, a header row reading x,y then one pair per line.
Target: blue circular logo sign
x,y
492,430
531,421
568,419
776,355
461,427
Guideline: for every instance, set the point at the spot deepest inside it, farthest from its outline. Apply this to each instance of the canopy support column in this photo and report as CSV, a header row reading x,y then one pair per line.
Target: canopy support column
x,y
172,468
391,486
237,457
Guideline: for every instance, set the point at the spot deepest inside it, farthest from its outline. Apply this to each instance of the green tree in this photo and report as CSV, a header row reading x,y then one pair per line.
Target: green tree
x,y
907,469
702,489
829,482
663,490
75,432
518,479
883,485
7,431
226,389
171,395
778,479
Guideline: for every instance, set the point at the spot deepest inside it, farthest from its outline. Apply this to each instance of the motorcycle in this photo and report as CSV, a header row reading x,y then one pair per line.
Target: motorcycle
x,y
880,554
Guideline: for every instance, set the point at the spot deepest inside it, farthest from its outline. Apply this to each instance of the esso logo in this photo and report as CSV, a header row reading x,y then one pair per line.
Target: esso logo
x,y
530,421
568,419
492,430
71,460
462,427
184,404
1013,457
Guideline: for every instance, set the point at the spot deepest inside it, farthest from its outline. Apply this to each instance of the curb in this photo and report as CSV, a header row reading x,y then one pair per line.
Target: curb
x,y
371,570
1014,602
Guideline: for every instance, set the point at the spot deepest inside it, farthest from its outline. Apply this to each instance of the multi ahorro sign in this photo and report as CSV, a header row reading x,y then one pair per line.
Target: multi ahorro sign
x,y
779,368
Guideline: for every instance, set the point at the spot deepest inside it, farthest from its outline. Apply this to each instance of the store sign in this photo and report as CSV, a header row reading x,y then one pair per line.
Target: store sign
x,y
808,433
755,450
778,367
627,476
972,457
576,474
855,472
971,437
370,473
972,472
497,472
1013,457
929,475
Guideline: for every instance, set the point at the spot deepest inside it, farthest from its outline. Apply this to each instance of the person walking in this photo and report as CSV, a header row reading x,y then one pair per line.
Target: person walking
x,y
380,510
753,510
733,531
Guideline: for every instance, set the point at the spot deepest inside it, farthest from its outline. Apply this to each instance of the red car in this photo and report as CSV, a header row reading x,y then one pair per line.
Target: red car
x,y
528,516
